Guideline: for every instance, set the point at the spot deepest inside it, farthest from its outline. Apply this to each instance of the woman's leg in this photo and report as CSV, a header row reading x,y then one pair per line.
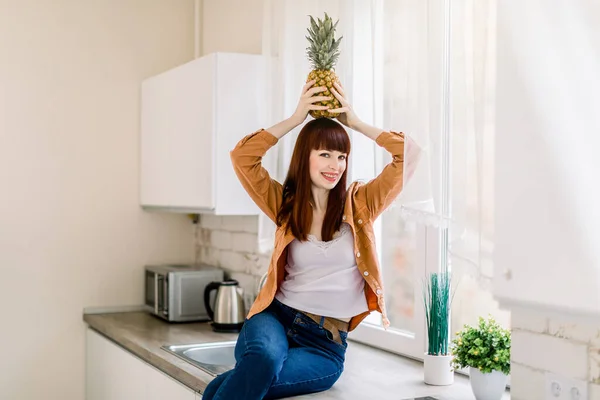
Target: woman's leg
x,y
260,352
306,370
315,359
214,385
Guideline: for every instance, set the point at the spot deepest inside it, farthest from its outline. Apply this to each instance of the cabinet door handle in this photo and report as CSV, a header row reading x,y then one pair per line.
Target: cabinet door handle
x,y
156,299
508,274
165,303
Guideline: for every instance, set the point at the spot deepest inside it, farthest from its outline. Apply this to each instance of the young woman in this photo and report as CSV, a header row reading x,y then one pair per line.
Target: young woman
x,y
323,279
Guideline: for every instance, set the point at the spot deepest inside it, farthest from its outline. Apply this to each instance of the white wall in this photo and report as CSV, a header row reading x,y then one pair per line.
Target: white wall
x,y
547,165
547,192
232,26
71,232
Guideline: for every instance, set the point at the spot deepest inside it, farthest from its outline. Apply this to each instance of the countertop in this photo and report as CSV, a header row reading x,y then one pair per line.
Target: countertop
x,y
368,372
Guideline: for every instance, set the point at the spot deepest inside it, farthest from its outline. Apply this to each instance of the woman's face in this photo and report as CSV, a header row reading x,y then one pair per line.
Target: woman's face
x,y
326,168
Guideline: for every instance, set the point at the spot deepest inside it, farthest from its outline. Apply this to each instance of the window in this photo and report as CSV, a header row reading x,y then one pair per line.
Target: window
x,y
440,87
424,67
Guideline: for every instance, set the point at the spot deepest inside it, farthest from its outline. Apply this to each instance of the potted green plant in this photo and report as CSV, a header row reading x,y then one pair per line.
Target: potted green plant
x,y
437,362
485,349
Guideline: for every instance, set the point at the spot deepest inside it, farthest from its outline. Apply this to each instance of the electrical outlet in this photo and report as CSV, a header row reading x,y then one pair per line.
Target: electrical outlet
x,y
563,388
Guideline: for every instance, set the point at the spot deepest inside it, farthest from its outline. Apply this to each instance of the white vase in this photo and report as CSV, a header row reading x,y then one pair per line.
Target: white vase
x,y
489,386
438,370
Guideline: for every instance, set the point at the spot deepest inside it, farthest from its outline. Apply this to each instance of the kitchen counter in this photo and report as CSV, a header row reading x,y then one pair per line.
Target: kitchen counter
x,y
368,373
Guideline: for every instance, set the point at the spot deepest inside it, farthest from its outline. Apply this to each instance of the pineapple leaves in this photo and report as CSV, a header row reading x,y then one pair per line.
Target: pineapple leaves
x,y
323,51
315,27
327,24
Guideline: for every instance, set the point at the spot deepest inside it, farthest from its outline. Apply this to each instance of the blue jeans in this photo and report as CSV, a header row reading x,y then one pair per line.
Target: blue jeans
x,y
280,352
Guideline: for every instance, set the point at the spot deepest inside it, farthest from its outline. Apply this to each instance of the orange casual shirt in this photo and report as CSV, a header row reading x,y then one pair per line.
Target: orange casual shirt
x,y
364,203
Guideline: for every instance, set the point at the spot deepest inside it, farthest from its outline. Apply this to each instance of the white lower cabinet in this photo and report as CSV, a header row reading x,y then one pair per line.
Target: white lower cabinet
x,y
112,373
161,387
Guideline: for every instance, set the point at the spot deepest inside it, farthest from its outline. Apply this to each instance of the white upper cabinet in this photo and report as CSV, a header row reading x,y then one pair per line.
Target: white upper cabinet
x,y
547,191
191,118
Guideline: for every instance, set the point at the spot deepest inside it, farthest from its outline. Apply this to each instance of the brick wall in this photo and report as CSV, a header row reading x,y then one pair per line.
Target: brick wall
x,y
541,344
231,243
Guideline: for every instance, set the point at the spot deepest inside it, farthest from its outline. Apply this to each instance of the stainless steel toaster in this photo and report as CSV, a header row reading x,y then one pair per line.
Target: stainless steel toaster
x,y
175,292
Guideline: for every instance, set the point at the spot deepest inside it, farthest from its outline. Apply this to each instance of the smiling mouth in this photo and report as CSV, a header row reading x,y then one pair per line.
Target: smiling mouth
x,y
330,177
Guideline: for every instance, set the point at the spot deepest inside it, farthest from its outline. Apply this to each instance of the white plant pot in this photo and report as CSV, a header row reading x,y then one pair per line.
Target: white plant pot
x,y
438,370
487,386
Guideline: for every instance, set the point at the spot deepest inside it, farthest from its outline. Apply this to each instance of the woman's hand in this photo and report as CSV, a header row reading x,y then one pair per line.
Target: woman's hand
x,y
306,102
304,106
347,115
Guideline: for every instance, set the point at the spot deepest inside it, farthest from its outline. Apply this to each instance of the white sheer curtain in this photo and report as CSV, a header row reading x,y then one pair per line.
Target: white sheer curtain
x,y
411,66
369,67
472,106
413,73
472,110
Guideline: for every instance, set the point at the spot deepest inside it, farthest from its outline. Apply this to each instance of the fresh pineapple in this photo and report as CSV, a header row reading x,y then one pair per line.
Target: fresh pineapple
x,y
323,53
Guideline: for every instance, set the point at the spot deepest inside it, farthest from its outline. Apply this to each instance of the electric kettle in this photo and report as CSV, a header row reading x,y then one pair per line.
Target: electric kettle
x,y
229,313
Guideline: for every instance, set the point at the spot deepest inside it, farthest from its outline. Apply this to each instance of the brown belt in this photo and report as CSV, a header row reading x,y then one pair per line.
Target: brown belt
x,y
335,326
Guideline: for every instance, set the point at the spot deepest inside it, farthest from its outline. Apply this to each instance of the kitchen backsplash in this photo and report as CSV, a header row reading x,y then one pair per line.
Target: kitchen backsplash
x,y
231,243
541,343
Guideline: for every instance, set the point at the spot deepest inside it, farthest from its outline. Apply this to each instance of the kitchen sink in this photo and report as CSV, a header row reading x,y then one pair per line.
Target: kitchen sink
x,y
213,358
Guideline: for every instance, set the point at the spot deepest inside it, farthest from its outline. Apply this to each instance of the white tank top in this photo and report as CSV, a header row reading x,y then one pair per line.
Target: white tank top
x,y
322,277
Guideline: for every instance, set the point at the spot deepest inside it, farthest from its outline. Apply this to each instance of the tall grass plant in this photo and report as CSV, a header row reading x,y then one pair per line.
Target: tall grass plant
x,y
437,298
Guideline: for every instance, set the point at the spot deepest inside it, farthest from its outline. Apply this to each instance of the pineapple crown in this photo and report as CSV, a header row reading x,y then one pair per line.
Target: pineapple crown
x,y
323,51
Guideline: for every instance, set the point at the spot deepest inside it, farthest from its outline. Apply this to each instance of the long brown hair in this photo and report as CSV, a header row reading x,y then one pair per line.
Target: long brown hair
x,y
318,134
